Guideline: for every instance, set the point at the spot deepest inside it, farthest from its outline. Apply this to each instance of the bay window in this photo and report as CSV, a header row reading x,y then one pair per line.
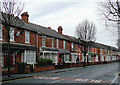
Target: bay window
x,y
29,57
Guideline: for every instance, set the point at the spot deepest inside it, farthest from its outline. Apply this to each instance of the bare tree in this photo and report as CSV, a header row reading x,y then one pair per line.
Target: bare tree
x,y
110,9
9,15
86,31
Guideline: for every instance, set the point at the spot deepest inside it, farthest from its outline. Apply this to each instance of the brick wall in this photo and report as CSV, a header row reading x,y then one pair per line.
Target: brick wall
x,y
48,42
60,44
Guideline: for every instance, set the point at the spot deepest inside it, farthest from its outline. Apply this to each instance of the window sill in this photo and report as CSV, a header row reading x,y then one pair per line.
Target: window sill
x,y
27,42
12,41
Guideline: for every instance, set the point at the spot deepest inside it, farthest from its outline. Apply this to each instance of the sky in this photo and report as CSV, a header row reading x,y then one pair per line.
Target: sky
x,y
68,14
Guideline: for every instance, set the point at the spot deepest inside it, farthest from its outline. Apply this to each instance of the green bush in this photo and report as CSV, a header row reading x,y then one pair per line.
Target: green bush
x,y
44,62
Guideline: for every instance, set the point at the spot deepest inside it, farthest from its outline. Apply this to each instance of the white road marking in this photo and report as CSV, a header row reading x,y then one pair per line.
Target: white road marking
x,y
114,79
95,81
55,81
81,80
77,75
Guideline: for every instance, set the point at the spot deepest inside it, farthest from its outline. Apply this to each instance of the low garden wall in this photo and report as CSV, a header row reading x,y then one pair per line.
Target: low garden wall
x,y
44,68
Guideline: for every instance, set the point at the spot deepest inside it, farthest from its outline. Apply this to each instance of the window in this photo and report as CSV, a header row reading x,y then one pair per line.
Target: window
x,y
95,50
66,57
2,59
11,34
43,42
57,43
27,37
71,46
29,57
82,58
96,58
0,32
64,44
89,58
101,50
52,43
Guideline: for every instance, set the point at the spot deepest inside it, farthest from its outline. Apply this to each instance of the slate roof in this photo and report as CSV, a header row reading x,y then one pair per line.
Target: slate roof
x,y
99,45
16,21
32,27
45,31
71,39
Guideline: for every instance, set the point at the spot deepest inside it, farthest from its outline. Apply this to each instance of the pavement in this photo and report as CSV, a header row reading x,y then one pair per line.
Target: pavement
x,y
22,76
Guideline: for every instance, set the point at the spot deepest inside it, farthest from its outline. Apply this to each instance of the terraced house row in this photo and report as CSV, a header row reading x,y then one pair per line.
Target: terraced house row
x,y
30,42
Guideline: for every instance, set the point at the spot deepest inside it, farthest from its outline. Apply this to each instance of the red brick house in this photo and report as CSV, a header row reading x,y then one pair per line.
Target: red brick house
x,y
30,41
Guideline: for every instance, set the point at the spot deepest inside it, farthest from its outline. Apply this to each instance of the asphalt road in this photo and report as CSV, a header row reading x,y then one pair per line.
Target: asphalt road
x,y
103,73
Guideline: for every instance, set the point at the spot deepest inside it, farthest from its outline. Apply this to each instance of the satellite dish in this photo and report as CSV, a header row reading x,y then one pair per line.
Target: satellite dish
x,y
18,33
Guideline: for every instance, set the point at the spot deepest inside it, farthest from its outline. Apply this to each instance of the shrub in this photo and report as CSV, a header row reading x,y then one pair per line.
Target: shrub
x,y
44,62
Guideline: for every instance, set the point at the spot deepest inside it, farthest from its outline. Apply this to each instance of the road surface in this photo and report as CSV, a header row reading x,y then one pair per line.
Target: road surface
x,y
103,73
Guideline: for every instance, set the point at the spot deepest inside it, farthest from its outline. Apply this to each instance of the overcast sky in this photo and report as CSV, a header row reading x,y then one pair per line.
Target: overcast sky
x,y
68,13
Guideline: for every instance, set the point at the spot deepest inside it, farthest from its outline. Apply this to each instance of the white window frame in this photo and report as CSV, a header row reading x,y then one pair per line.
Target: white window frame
x,y
89,58
57,46
72,47
95,50
101,50
43,41
52,43
96,58
63,44
1,32
27,37
11,33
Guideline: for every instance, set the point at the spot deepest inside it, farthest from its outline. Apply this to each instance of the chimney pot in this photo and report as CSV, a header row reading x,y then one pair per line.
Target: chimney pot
x,y
49,27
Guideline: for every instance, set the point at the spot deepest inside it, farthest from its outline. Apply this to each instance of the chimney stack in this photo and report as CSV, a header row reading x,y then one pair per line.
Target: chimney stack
x,y
49,27
60,29
25,16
